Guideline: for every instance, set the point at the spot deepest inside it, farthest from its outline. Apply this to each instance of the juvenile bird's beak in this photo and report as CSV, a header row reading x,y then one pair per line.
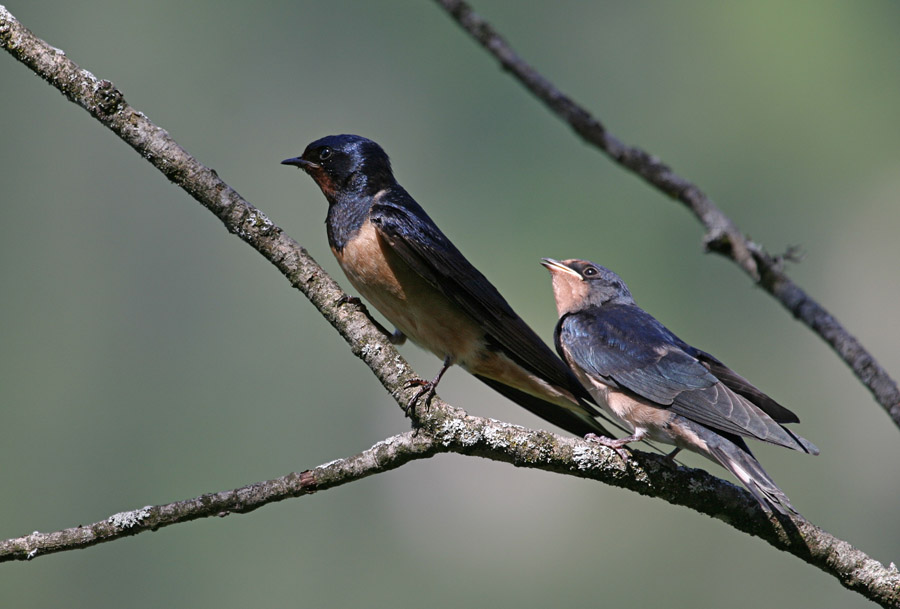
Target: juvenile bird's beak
x,y
300,162
555,266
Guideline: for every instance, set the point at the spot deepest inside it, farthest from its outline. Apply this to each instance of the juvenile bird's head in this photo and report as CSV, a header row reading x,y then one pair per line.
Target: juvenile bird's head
x,y
345,165
578,284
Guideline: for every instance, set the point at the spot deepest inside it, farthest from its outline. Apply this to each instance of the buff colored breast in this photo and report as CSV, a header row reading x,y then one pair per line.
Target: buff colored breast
x,y
418,310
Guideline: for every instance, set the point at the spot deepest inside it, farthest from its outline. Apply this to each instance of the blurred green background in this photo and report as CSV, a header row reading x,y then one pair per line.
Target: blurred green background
x,y
148,356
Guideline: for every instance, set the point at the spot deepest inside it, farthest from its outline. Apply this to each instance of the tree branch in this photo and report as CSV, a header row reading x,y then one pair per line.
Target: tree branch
x,y
107,104
442,428
386,455
722,236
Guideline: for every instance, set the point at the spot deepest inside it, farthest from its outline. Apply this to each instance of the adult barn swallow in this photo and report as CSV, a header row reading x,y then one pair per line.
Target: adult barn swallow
x,y
402,263
661,387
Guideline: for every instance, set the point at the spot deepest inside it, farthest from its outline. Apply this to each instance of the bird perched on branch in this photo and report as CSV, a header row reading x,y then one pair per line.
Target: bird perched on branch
x,y
660,387
402,263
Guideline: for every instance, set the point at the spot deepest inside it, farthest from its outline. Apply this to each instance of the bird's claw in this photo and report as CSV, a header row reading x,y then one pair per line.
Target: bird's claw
x,y
427,389
348,299
354,300
616,445
669,459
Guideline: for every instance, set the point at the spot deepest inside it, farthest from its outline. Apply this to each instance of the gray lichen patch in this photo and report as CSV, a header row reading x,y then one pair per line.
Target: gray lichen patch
x,y
127,520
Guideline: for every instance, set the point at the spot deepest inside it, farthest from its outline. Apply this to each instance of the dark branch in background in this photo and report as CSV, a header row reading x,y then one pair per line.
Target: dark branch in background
x,y
442,428
722,236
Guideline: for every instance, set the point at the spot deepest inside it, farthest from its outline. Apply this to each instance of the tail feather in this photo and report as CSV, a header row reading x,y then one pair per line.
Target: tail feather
x,y
734,455
564,418
808,446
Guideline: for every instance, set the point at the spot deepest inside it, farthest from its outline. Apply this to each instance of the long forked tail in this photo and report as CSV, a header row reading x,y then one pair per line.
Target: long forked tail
x,y
733,455
564,418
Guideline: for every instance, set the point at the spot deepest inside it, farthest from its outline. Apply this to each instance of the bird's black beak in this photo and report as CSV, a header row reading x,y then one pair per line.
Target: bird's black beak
x,y
300,162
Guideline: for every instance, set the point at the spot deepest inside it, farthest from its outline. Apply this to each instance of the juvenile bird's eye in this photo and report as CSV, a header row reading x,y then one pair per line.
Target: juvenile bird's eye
x,y
590,272
325,153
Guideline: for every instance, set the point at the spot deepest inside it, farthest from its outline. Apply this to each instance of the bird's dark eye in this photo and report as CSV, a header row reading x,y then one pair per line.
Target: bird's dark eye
x,y
590,272
325,153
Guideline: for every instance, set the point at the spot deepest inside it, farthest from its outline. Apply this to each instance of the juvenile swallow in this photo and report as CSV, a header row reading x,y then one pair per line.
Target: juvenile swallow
x,y
661,387
401,262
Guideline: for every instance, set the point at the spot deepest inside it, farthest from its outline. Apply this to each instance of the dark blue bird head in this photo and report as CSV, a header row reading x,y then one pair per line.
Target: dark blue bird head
x,y
578,284
345,165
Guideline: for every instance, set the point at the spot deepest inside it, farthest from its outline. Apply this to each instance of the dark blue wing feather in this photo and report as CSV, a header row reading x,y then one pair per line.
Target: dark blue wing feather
x,y
421,244
626,347
742,386
626,344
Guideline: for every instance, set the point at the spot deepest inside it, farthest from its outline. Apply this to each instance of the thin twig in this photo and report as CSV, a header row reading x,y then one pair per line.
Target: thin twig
x,y
386,455
443,429
722,236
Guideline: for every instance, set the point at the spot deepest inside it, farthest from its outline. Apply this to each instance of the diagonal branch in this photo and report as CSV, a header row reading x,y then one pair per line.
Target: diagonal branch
x,y
447,430
442,429
386,455
722,236
106,103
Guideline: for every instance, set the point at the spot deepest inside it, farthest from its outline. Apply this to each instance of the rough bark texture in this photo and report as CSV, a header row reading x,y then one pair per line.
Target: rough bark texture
x,y
441,428
444,429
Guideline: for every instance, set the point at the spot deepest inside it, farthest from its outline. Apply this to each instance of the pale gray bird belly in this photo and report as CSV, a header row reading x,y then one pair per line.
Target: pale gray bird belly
x,y
644,418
